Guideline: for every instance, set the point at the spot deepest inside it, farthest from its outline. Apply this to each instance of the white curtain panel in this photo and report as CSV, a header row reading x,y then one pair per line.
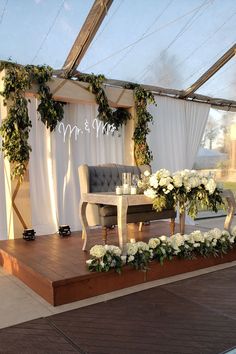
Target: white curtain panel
x,y
3,211
176,132
54,162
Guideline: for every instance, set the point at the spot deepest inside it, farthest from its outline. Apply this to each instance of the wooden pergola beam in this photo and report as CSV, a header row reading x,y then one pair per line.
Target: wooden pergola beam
x,y
210,72
219,103
86,35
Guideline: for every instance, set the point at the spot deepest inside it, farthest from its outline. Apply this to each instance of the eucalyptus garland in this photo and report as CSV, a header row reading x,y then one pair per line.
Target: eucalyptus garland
x,y
142,97
16,127
116,117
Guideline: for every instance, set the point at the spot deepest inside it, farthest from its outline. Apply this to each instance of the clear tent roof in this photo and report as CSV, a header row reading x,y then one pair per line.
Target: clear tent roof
x,y
167,43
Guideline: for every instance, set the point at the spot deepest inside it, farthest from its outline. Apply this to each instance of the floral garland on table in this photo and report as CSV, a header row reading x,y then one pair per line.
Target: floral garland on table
x,y
139,254
187,190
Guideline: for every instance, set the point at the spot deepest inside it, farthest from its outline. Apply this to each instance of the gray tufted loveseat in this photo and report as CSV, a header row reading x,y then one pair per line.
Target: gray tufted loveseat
x,y
104,178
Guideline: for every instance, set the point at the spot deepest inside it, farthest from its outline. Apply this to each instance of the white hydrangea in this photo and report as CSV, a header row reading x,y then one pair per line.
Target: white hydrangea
x,y
216,233
225,233
177,240
211,186
163,173
208,236
177,180
197,236
98,251
113,249
194,181
154,242
131,249
142,246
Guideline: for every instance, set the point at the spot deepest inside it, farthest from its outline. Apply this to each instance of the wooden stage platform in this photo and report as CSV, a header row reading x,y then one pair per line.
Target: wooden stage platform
x,y
55,267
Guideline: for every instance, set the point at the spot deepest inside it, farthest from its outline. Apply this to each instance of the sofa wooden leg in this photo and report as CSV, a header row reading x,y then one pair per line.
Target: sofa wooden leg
x,y
104,235
172,226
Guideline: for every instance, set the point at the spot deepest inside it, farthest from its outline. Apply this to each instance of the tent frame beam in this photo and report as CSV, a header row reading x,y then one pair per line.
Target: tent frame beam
x,y
85,36
210,72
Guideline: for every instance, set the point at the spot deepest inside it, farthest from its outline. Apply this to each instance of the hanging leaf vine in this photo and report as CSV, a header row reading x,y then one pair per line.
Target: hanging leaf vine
x,y
142,97
51,112
116,117
16,127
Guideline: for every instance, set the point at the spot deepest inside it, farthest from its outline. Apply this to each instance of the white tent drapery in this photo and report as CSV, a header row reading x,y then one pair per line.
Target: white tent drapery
x,y
176,132
54,162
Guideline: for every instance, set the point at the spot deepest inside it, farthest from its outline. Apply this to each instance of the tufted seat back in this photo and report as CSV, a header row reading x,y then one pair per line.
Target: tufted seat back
x,y
106,178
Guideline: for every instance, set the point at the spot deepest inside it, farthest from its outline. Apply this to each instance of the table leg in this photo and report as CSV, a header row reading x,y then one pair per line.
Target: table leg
x,y
182,222
84,222
122,208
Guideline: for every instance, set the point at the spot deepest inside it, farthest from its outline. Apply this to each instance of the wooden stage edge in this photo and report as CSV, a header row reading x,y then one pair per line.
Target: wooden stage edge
x,y
55,267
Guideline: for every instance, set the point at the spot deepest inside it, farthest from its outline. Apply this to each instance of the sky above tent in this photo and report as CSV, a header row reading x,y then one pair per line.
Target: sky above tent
x,y
167,43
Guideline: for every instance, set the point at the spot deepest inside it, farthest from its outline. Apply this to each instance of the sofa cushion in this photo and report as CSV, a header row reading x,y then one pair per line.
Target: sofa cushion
x,y
109,210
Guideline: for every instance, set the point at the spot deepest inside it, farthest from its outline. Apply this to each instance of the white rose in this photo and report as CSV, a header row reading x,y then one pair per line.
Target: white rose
x,y
150,193
170,187
153,181
163,238
146,173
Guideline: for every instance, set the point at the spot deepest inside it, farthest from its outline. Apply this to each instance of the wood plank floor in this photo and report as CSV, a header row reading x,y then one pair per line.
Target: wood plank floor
x,y
55,267
192,316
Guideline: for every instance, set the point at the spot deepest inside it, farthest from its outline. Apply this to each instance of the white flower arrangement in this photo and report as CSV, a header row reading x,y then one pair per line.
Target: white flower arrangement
x,y
138,254
186,189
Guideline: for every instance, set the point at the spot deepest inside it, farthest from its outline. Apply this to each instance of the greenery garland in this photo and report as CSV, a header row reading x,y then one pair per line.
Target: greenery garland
x,y
142,97
51,112
116,117
16,127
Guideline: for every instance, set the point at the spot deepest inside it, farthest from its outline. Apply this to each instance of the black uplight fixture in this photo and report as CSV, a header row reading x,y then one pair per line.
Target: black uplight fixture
x,y
29,234
64,230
